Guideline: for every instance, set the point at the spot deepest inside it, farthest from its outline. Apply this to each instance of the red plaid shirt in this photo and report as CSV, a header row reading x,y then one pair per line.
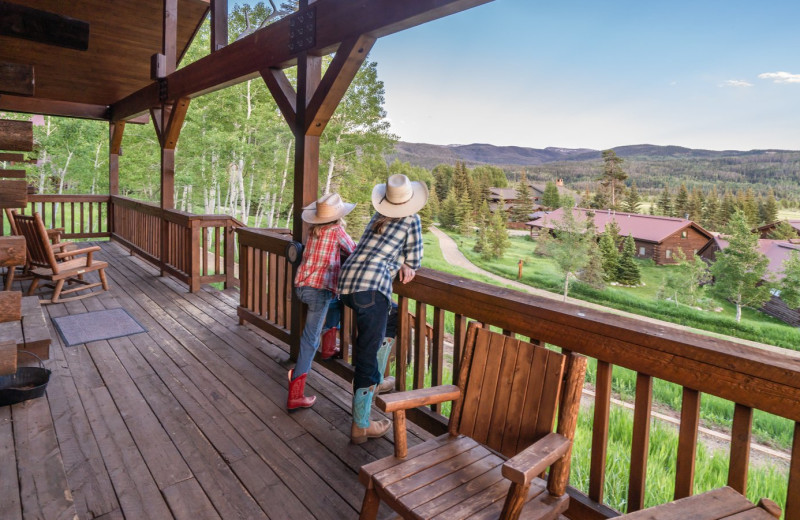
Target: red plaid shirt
x,y
320,265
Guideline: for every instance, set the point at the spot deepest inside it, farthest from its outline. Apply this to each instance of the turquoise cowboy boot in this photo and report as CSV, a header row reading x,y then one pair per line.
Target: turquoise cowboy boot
x,y
362,428
386,384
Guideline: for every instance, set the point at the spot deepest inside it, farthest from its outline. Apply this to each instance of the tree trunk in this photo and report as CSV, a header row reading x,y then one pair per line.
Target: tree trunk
x,y
738,310
566,286
285,174
289,216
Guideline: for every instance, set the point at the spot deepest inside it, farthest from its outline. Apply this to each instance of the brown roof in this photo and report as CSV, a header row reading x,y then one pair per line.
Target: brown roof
x,y
122,38
794,223
647,228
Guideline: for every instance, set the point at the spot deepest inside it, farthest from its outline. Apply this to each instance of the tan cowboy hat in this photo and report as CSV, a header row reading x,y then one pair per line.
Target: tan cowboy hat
x,y
328,208
399,197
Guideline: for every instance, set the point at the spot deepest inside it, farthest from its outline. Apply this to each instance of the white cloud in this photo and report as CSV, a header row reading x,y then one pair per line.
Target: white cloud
x,y
781,77
735,83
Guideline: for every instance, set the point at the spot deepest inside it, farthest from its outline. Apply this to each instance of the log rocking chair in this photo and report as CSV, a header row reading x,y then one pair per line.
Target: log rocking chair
x,y
56,263
500,440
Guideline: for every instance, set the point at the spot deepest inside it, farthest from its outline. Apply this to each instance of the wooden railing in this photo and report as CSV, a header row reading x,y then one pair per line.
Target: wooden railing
x,y
750,377
81,216
196,249
265,277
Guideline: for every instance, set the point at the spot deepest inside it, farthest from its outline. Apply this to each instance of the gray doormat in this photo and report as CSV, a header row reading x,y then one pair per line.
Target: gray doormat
x,y
97,325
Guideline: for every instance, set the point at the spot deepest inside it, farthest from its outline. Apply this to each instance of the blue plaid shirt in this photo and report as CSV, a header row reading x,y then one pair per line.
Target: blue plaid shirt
x,y
378,257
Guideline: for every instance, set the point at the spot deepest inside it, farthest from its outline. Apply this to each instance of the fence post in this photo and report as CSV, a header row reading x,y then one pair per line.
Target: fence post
x,y
230,253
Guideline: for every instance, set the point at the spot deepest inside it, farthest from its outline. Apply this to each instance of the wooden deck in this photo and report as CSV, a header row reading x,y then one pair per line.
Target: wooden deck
x,y
187,420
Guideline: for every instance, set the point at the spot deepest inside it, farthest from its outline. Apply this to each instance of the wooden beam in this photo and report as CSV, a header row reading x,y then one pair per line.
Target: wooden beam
x,y
13,193
176,117
12,174
116,130
269,47
282,91
158,122
169,36
19,21
16,136
16,78
219,24
337,79
31,105
13,157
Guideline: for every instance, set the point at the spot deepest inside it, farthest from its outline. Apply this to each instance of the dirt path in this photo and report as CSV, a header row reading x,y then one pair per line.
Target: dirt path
x,y
762,454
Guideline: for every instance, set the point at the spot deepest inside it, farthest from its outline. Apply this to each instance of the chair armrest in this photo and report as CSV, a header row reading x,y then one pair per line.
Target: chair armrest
x,y
76,252
534,459
61,245
420,397
54,234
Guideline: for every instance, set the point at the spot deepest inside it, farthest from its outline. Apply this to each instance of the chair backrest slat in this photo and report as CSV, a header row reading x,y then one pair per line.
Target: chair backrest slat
x,y
510,393
36,240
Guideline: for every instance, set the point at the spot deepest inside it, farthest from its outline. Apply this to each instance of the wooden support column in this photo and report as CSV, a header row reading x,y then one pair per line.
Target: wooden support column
x,y
115,131
219,24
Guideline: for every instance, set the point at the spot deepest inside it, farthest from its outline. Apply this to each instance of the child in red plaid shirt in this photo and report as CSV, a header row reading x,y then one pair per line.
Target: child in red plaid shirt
x,y
316,283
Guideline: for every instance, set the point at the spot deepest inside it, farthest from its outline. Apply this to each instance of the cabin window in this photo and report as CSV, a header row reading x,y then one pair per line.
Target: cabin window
x,y
668,253
642,251
684,234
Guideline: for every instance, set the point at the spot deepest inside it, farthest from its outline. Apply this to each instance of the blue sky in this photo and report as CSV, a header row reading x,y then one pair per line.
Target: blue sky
x,y
721,74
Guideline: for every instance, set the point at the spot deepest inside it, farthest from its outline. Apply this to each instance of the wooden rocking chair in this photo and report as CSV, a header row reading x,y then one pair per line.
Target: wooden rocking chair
x,y
504,406
58,267
25,271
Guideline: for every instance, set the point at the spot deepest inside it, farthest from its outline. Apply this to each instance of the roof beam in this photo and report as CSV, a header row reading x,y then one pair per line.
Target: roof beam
x,y
45,27
337,21
30,105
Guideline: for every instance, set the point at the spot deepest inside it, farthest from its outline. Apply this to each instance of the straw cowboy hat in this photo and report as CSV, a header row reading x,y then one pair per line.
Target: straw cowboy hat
x,y
399,197
328,208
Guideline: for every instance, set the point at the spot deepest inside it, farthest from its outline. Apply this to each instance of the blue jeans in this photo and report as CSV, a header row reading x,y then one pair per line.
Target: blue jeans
x,y
376,318
317,301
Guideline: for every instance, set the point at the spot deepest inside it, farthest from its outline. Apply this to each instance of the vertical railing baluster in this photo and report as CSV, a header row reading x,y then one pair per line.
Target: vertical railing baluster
x,y
740,447
437,352
420,334
687,443
792,509
459,337
401,344
602,410
641,441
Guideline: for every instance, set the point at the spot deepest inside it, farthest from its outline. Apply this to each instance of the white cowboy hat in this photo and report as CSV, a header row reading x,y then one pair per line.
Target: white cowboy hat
x,y
328,208
399,197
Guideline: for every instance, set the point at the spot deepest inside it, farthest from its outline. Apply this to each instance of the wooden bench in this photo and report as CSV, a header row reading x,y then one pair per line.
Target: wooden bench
x,y
712,505
31,332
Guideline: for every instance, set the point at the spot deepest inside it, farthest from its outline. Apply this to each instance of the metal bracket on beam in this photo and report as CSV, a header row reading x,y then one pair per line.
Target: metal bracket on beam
x,y
303,29
162,90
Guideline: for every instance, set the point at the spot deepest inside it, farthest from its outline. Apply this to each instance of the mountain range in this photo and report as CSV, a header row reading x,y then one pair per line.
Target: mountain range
x,y
652,167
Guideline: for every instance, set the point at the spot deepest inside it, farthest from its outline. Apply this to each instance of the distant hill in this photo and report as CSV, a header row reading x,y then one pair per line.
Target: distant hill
x,y
651,166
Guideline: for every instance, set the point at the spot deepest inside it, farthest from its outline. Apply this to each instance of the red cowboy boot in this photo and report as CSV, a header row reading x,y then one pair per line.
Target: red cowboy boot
x,y
329,347
296,389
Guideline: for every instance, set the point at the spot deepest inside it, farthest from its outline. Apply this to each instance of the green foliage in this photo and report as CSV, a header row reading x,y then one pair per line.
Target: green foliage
x,y
524,205
613,177
449,210
609,253
498,235
664,203
464,214
769,209
633,201
593,274
790,285
628,270
681,208
739,269
568,245
783,231
684,281
550,197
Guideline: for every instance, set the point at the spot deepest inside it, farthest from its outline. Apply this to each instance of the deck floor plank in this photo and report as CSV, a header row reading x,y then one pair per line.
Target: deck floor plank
x,y
186,420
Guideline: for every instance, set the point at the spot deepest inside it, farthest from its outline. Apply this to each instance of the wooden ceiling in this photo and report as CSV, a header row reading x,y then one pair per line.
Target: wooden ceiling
x,y
123,35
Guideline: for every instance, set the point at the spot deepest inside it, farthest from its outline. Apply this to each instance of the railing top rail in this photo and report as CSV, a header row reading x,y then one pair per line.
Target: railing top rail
x,y
763,379
267,240
65,197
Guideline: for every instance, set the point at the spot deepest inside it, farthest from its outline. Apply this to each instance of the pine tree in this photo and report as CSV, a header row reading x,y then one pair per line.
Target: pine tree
x,y
426,214
770,208
685,280
633,202
628,272
464,215
448,210
593,273
739,269
613,176
710,218
665,203
681,202
609,254
524,205
498,236
482,242
727,209
783,231
750,207
696,203
550,197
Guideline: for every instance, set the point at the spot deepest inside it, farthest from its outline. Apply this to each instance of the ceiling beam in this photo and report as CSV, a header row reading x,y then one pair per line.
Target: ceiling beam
x,y
16,136
16,78
30,105
19,21
337,21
